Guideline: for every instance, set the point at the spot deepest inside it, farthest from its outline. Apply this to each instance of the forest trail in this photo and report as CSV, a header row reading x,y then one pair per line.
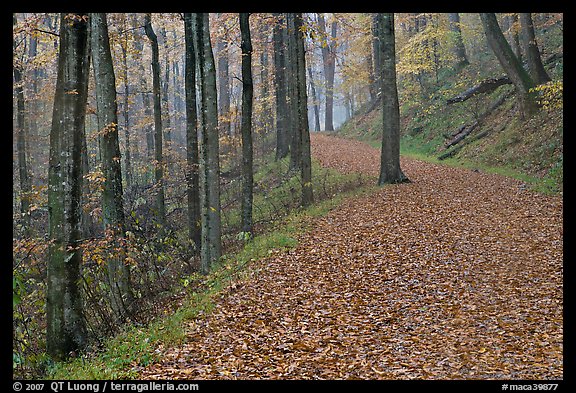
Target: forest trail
x,y
456,275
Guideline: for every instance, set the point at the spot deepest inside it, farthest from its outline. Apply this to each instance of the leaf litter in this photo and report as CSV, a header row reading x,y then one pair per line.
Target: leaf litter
x,y
456,275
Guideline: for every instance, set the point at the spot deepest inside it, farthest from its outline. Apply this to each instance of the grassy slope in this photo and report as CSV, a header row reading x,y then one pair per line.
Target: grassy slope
x,y
531,150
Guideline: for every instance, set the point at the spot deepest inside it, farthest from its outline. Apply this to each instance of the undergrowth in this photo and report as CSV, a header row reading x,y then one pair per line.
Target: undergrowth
x,y
135,346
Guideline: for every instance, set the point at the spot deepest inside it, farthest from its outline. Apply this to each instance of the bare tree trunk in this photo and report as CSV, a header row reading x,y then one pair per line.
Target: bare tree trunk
x,y
459,49
302,105
377,55
371,76
192,163
23,172
512,27
66,330
314,100
112,194
223,84
278,33
535,66
167,124
211,249
510,63
265,118
246,126
125,107
159,161
148,129
390,171
292,83
329,62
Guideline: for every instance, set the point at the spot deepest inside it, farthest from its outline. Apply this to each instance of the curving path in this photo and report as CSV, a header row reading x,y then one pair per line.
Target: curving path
x,y
456,275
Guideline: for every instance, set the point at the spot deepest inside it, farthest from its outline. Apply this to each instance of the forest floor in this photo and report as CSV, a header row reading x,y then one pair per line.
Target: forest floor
x,y
455,275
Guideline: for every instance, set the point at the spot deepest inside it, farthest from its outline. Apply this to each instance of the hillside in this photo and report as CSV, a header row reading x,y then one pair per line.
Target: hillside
x,y
531,149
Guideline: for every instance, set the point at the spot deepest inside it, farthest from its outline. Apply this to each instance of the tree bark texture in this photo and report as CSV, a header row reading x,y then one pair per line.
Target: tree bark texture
x,y
293,98
126,109
329,63
211,248
510,63
192,163
279,44
302,106
23,172
511,28
159,161
246,125
66,330
534,60
376,56
223,84
112,193
390,171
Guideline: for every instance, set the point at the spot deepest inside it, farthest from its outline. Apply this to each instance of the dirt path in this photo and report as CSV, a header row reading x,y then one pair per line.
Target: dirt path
x,y
457,275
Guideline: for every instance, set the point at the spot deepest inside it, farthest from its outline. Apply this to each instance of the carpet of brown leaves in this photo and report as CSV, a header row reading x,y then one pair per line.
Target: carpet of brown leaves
x,y
457,275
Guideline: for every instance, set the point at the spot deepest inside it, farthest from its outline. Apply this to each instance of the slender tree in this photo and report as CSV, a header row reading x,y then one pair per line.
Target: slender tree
x,y
329,62
279,44
211,248
534,60
459,48
511,27
292,92
302,131
23,171
376,55
159,161
192,175
126,106
390,171
66,329
145,92
510,63
246,125
265,115
166,122
314,100
223,66
112,193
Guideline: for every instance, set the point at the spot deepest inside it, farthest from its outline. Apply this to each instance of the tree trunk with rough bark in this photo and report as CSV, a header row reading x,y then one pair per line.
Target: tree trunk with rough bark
x,y
279,44
66,329
192,161
329,63
223,83
112,193
302,107
390,171
293,99
159,160
23,171
246,125
510,63
126,107
534,60
211,248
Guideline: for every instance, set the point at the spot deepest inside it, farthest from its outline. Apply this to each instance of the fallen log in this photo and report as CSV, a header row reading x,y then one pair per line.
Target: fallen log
x,y
486,86
464,131
456,149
